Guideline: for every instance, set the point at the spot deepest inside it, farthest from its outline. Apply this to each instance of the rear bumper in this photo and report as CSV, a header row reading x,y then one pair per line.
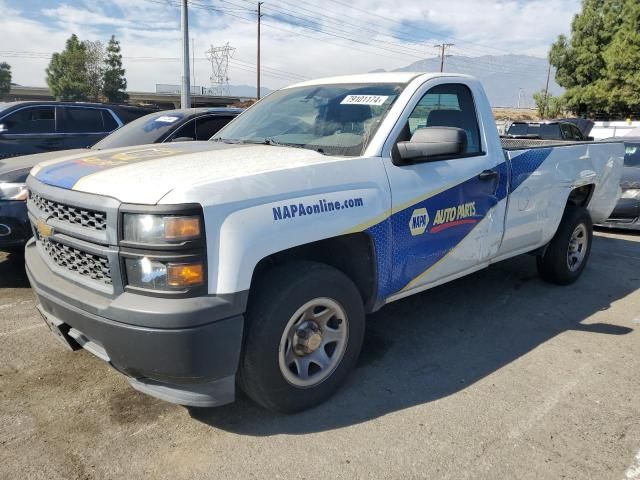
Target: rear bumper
x,y
195,365
14,224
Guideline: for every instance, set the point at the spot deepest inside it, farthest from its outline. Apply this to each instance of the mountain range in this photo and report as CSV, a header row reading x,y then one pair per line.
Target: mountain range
x,y
509,80
505,77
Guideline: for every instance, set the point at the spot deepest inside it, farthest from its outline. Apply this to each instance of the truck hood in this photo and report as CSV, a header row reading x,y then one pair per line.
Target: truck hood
x,y
144,174
27,162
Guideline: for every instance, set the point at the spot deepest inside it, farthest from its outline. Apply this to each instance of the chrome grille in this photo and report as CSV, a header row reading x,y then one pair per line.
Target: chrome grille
x,y
77,261
82,217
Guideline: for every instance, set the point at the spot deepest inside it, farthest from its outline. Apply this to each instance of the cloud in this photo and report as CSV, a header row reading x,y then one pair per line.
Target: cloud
x,y
383,34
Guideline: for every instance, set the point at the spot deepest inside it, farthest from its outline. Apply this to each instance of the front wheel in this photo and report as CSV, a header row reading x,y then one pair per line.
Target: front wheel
x,y
567,254
305,326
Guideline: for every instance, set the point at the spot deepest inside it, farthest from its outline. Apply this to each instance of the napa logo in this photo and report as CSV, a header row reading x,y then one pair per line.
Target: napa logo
x,y
462,214
418,222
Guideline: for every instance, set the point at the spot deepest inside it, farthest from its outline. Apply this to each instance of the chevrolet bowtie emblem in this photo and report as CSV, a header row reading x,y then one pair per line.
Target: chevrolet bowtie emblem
x,y
43,229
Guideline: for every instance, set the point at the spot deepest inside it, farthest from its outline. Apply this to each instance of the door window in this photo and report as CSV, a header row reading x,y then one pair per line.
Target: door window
x,y
207,127
31,120
449,105
82,120
188,130
577,134
567,134
109,122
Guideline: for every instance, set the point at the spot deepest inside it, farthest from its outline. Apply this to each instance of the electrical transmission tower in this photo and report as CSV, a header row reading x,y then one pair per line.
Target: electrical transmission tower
x,y
219,58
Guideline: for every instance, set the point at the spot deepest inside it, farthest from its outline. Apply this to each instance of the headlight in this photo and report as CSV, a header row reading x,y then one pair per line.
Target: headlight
x,y
161,229
156,275
631,193
13,191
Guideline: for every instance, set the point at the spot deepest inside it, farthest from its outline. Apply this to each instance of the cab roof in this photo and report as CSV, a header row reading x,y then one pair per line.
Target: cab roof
x,y
380,77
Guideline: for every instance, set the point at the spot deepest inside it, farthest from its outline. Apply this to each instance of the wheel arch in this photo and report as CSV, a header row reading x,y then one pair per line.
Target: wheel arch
x,y
581,196
353,254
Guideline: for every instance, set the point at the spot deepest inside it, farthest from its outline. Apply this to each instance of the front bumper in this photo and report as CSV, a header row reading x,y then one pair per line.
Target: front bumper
x,y
14,224
192,365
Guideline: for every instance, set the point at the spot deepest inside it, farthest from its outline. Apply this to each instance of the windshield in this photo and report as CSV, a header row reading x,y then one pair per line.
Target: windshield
x,y
144,130
4,106
632,155
331,119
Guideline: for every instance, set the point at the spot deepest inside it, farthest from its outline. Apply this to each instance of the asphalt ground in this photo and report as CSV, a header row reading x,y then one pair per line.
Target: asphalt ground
x,y
497,375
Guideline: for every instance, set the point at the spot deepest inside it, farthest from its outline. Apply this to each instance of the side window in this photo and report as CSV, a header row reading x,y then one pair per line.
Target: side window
x,y
206,127
81,120
188,130
31,120
567,134
109,122
577,134
448,105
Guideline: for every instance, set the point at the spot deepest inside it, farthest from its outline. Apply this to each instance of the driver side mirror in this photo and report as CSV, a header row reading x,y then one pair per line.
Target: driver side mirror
x,y
3,128
432,143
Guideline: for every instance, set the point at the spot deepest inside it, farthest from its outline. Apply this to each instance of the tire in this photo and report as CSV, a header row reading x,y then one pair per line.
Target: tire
x,y
560,264
291,311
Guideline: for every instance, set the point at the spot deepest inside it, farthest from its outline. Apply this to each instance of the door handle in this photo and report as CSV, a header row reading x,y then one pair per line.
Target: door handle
x,y
488,175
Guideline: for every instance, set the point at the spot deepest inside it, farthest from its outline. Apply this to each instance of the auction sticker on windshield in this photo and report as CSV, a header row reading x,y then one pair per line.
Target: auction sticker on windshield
x,y
167,119
364,100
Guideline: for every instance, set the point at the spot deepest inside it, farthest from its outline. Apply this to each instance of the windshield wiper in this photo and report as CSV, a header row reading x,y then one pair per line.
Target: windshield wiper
x,y
276,143
225,140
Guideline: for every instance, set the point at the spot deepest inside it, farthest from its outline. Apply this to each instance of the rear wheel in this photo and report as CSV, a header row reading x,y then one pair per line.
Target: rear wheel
x,y
305,329
567,254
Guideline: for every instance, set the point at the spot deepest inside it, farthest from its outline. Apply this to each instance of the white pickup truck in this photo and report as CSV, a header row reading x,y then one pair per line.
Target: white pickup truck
x,y
253,259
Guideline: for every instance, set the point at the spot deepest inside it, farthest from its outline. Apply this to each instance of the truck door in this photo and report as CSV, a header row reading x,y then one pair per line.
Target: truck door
x,y
82,127
447,214
28,130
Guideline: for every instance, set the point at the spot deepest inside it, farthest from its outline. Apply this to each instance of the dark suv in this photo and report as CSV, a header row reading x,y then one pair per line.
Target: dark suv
x,y
35,127
546,131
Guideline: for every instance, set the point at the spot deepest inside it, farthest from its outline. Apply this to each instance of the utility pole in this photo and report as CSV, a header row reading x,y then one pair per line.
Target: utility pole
x,y
258,63
546,93
185,97
520,96
193,61
442,47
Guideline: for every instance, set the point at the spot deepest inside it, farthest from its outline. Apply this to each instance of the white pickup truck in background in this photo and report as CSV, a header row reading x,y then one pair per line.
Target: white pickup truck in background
x,y
253,259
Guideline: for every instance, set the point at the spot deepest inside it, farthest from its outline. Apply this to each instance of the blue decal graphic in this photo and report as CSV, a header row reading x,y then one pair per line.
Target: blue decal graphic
x,y
523,165
67,173
404,250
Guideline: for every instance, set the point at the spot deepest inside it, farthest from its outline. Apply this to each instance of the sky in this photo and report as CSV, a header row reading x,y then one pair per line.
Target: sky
x,y
301,39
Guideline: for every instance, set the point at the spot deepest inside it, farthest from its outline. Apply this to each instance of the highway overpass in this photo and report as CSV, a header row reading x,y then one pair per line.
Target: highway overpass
x,y
162,100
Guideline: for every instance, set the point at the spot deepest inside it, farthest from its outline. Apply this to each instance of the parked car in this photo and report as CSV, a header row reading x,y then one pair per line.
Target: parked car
x,y
35,127
252,259
170,126
626,214
159,127
554,130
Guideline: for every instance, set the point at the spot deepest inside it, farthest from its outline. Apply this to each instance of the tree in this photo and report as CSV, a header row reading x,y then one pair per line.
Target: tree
x,y
67,72
5,79
115,83
598,64
548,105
95,68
